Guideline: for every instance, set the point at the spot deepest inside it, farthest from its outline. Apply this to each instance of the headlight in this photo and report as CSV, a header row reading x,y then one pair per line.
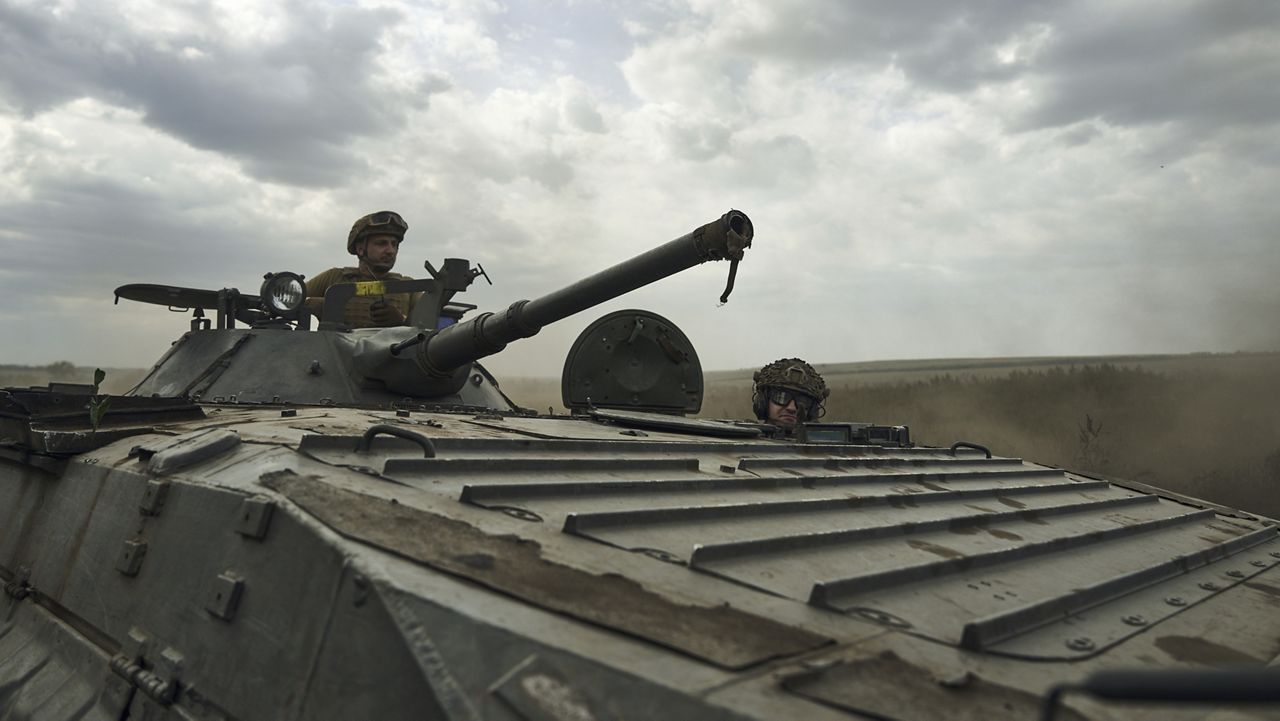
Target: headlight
x,y
283,293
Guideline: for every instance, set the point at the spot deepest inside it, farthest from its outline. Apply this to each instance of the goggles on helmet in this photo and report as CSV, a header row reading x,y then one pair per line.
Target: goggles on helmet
x,y
387,217
783,396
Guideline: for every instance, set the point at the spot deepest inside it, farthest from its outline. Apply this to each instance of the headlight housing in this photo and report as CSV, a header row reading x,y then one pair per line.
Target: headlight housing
x,y
283,294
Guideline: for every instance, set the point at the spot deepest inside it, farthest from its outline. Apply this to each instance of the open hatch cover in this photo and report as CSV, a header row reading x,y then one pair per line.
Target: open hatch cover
x,y
675,424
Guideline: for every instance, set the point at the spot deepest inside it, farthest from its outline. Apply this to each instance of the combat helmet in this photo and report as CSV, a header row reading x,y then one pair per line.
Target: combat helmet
x,y
383,222
790,374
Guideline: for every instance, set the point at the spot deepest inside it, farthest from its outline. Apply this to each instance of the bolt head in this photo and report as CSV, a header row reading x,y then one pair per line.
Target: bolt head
x,y
818,664
1176,601
1080,643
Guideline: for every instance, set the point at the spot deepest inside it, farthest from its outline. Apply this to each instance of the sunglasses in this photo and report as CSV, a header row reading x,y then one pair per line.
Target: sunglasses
x,y
387,217
783,396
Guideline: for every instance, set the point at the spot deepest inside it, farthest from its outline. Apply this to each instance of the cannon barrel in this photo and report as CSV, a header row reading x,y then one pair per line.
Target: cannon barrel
x,y
458,345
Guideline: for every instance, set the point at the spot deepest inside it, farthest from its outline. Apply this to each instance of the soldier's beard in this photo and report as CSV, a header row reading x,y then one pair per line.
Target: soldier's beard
x,y
375,267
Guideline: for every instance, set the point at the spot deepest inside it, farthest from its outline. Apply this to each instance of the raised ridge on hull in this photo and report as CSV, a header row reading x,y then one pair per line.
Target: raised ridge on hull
x,y
1007,547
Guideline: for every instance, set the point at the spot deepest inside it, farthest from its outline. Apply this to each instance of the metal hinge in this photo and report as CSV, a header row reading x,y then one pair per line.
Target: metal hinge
x,y
19,587
159,681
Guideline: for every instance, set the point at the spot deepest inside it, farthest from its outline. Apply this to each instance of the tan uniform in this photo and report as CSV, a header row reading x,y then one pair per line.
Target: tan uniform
x,y
357,315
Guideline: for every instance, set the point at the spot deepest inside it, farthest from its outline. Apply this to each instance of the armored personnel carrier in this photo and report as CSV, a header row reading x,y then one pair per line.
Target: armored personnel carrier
x,y
288,523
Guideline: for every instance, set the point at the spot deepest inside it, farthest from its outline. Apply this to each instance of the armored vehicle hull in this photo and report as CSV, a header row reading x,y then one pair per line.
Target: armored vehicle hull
x,y
357,524
253,563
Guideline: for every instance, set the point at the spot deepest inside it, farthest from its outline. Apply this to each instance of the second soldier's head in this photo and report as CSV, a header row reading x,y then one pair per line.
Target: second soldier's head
x,y
788,391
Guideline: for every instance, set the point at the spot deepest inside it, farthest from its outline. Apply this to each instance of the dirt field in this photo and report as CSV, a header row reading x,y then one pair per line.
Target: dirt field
x,y
1203,425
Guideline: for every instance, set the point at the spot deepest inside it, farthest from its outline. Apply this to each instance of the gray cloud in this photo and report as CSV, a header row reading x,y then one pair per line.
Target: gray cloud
x,y
1205,65
583,115
92,232
775,160
698,141
1199,63
287,110
547,169
947,46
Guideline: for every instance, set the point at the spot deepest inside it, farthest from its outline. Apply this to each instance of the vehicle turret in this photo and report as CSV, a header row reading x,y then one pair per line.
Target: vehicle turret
x,y
432,360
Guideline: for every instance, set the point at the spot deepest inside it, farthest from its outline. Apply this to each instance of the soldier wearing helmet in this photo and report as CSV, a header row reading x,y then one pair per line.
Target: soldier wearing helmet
x,y
787,392
375,240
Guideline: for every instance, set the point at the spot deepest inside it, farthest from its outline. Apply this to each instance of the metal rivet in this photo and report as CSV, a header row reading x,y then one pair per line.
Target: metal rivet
x,y
224,596
1235,574
1209,586
153,498
361,593
1259,564
1135,620
171,664
130,559
254,517
661,555
1275,554
819,664
883,618
136,645
521,513
1080,643
1176,601
964,679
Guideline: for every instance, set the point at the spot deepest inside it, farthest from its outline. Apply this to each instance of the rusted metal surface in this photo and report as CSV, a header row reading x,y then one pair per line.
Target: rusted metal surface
x,y
886,686
39,426
54,408
724,636
767,579
1026,560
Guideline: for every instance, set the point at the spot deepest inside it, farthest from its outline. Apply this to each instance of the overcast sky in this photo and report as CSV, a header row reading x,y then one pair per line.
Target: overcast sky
x,y
926,179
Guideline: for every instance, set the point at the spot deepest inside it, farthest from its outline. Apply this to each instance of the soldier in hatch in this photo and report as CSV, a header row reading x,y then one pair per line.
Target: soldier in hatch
x,y
375,241
787,392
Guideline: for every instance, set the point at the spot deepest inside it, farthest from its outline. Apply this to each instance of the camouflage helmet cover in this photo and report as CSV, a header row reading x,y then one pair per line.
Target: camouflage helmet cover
x,y
383,222
794,374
